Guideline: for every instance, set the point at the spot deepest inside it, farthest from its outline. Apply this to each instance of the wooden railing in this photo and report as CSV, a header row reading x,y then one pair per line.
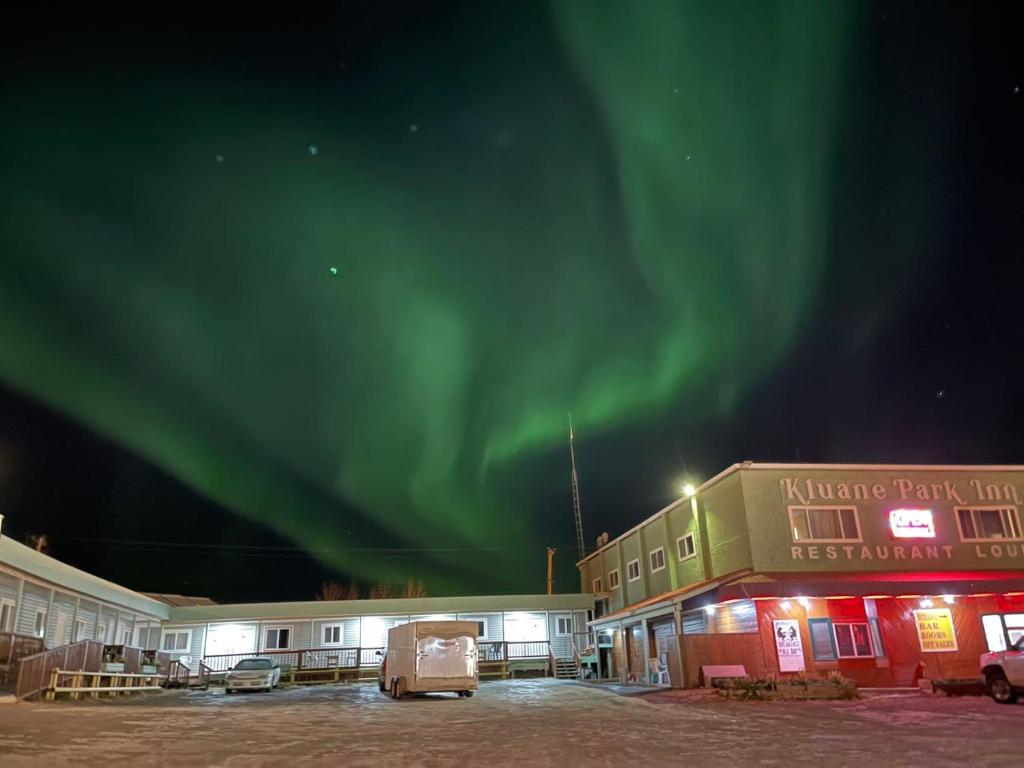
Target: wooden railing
x,y
34,671
14,646
303,658
177,674
539,649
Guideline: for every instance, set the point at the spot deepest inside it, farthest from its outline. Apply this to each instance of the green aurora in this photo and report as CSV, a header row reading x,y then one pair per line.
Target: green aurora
x,y
624,205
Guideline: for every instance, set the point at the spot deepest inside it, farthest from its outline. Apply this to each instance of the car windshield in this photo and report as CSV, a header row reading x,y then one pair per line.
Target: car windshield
x,y
247,664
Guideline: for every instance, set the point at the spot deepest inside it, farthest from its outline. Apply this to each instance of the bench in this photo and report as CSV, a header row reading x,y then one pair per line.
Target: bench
x,y
713,672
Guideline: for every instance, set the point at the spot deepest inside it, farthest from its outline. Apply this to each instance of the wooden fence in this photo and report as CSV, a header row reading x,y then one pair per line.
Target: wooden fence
x,y
34,671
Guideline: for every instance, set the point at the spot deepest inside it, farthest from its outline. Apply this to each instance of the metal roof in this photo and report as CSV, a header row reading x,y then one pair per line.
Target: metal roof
x,y
314,609
67,578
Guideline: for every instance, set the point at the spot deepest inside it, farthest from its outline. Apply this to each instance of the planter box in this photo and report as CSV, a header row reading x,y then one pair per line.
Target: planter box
x,y
961,687
112,667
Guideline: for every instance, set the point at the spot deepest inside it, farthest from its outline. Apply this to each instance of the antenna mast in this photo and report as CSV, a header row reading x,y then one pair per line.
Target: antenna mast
x,y
576,492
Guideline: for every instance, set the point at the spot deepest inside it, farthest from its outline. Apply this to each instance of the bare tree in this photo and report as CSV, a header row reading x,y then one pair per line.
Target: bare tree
x,y
38,542
331,590
381,591
353,591
414,589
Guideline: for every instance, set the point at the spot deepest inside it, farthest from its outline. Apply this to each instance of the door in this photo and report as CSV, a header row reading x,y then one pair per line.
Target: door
x,y
664,633
224,639
635,653
60,630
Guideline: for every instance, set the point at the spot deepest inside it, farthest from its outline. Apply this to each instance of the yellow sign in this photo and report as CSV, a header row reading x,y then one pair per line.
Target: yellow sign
x,y
935,629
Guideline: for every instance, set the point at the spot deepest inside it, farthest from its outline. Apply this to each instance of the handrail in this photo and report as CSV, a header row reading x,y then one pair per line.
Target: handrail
x,y
34,670
14,646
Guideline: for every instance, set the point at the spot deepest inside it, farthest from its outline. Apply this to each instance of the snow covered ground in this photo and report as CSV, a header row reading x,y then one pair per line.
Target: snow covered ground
x,y
539,722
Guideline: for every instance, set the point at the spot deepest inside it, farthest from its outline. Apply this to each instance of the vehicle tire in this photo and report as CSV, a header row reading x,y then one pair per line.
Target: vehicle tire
x,y
394,689
227,691
383,688
999,688
469,694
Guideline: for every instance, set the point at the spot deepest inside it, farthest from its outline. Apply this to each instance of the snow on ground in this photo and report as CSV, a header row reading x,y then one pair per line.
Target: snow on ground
x,y
538,722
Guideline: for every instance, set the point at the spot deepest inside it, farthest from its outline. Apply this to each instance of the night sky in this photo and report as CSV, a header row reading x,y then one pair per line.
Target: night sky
x,y
309,294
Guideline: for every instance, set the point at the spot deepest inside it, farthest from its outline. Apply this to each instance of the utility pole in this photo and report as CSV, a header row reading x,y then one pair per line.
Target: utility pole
x,y
577,513
551,581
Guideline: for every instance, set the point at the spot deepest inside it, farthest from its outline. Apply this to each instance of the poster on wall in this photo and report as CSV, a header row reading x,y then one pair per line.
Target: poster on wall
x,y
789,646
935,629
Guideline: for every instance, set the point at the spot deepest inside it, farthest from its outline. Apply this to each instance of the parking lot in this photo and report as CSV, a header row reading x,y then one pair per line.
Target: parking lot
x,y
541,722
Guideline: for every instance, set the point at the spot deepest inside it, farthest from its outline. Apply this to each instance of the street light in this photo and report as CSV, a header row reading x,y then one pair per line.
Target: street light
x,y
688,490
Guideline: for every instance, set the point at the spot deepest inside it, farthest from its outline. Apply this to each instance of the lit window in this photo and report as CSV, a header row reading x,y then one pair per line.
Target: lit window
x,y
686,547
988,524
332,634
176,640
912,524
613,579
633,570
657,558
853,640
278,638
824,524
563,625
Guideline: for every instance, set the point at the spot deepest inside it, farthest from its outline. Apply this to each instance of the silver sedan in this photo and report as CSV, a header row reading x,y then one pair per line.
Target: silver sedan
x,y
253,675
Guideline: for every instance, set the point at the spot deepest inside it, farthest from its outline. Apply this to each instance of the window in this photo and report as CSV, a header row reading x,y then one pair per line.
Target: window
x,y
613,578
633,570
101,632
597,585
481,629
823,644
824,524
332,634
176,640
6,615
988,523
126,636
686,547
40,625
79,631
1002,630
657,557
853,640
278,638
563,625
695,622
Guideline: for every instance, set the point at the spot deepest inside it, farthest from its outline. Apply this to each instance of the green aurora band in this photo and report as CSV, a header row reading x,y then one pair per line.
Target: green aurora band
x,y
633,206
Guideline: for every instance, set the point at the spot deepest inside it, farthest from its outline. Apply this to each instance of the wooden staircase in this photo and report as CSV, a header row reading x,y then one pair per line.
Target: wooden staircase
x,y
567,668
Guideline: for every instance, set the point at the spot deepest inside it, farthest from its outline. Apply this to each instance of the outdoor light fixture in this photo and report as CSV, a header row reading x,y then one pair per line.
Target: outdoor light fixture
x,y
911,524
804,602
710,610
927,603
948,599
689,490
785,605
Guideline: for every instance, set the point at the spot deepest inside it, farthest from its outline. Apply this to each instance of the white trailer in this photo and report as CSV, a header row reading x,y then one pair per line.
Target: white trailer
x,y
431,656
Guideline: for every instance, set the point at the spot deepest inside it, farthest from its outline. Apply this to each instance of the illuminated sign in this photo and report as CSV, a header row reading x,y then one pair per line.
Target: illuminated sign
x,y
912,524
935,630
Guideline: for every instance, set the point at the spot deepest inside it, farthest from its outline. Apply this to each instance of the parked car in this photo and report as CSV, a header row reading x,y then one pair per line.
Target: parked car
x,y
1003,672
253,675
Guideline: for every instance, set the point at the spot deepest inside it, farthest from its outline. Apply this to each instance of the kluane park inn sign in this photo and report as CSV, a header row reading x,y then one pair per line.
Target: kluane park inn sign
x,y
911,524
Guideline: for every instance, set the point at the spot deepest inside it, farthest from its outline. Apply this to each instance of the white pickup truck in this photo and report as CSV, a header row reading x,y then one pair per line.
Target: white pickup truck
x,y
1003,672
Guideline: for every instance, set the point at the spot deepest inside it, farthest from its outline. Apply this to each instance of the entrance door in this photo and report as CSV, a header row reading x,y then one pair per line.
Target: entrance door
x,y
59,636
223,639
663,632
635,653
